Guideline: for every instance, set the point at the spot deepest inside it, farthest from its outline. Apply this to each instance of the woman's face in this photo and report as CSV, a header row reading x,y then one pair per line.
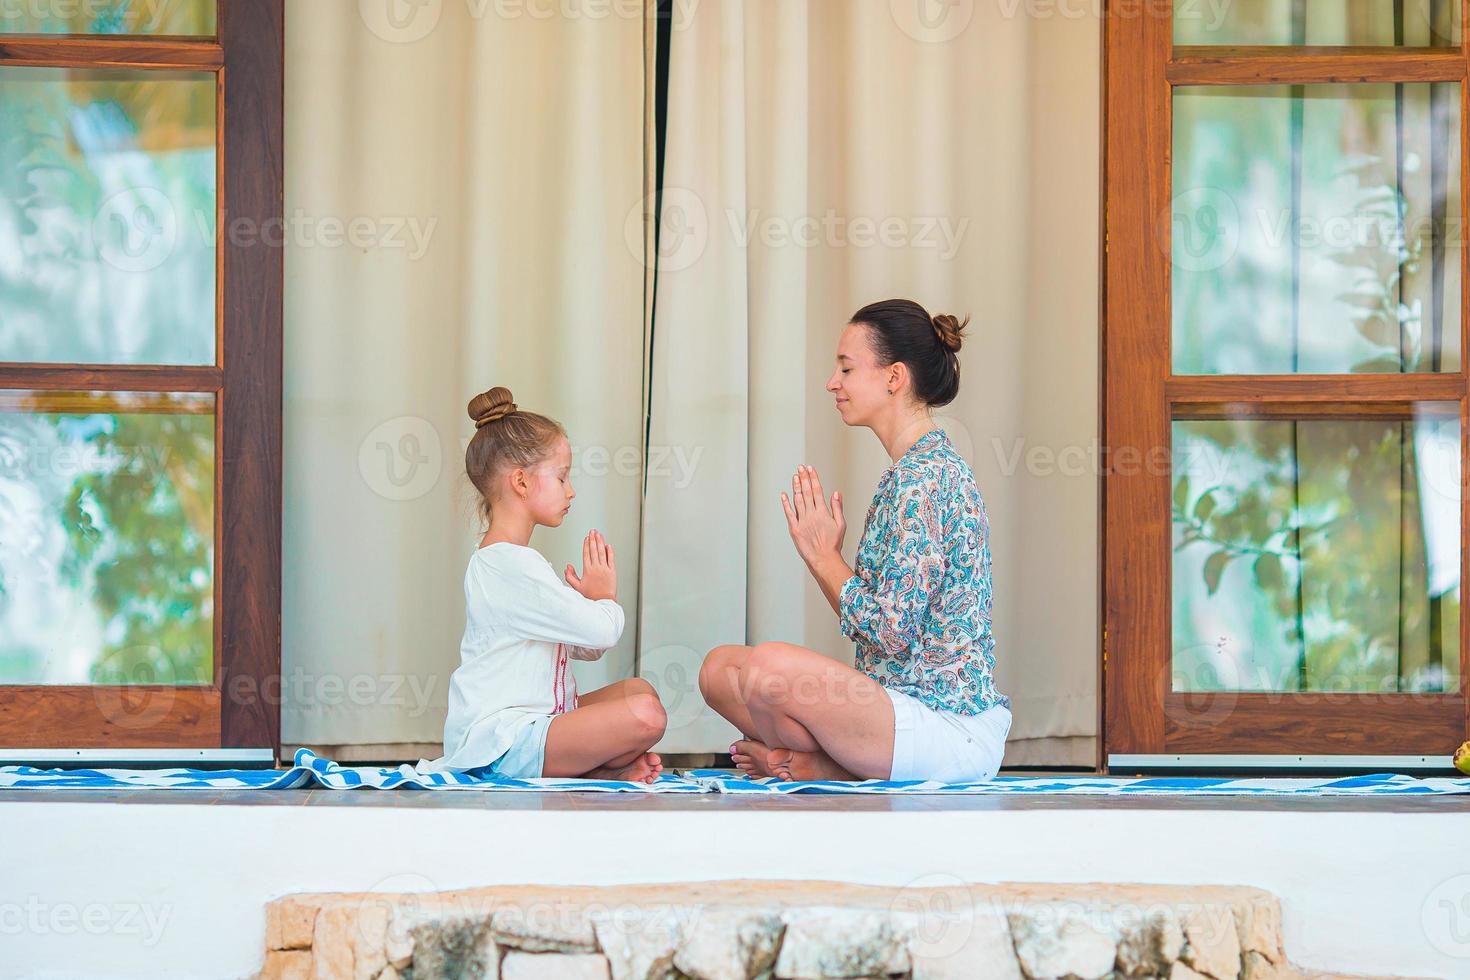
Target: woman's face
x,y
859,383
549,485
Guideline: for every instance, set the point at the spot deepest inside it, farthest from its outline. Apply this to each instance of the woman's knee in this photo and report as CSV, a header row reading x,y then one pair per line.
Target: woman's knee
x,y
718,666
770,670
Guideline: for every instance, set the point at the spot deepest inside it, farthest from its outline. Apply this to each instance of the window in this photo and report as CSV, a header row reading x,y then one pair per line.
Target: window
x,y
140,374
1285,382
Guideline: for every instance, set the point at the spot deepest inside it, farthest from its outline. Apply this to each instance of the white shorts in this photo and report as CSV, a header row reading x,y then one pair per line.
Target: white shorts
x,y
943,746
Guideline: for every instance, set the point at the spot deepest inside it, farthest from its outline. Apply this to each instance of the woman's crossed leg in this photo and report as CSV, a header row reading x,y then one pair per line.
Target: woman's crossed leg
x,y
804,715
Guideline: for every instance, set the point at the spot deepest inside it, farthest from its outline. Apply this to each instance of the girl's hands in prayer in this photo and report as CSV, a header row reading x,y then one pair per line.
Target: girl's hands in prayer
x,y
817,528
599,578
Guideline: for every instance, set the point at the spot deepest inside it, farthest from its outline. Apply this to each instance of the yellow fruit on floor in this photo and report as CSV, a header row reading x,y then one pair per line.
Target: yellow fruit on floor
x,y
1462,758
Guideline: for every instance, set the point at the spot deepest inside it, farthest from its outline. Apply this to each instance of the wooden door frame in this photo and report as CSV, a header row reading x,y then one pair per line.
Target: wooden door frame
x,y
1141,715
241,708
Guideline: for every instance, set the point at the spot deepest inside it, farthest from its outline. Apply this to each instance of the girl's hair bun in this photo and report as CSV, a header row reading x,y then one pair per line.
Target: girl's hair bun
x,y
950,331
491,406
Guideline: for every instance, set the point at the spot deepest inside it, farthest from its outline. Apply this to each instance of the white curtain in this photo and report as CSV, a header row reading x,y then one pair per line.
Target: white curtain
x,y
823,154
505,151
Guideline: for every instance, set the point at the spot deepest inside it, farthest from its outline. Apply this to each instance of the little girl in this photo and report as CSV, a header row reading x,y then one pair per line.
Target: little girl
x,y
514,709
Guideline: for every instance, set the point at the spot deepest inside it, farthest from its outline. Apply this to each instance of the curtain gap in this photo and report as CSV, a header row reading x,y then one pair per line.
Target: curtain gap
x,y
663,34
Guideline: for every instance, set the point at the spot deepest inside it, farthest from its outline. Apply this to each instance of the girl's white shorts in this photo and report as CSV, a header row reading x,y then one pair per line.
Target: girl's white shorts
x,y
943,746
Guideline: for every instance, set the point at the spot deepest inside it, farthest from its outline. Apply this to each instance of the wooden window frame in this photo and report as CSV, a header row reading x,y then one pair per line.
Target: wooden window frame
x,y
240,708
1142,715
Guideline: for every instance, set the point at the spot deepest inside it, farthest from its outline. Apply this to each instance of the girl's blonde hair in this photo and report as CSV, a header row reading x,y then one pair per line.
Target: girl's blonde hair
x,y
505,437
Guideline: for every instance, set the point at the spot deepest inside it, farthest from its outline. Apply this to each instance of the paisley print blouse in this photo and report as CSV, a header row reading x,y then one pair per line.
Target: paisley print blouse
x,y
918,605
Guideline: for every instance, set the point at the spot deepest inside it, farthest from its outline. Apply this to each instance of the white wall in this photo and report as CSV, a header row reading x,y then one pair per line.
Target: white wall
x,y
179,891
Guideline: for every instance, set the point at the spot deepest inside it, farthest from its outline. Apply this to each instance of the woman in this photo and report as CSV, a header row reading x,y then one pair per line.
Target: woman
x,y
922,702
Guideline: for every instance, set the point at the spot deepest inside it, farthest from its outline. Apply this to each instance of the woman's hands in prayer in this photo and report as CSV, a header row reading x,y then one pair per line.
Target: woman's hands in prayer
x,y
817,528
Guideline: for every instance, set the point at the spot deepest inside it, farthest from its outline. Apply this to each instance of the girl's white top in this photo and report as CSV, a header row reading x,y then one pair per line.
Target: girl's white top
x,y
522,624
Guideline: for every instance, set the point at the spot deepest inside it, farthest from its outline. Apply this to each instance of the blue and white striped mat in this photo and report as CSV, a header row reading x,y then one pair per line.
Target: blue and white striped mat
x,y
311,770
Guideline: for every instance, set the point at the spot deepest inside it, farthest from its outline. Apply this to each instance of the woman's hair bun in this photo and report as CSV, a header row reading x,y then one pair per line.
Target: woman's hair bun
x,y
950,331
491,406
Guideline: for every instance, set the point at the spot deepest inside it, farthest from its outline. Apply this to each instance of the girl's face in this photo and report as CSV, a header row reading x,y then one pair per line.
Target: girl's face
x,y
548,484
859,383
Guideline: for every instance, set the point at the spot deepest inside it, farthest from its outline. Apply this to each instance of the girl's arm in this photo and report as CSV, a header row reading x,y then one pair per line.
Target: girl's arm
x,y
537,605
585,653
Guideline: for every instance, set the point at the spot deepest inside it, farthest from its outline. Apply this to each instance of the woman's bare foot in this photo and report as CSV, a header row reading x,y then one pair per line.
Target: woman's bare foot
x,y
790,765
751,756
644,769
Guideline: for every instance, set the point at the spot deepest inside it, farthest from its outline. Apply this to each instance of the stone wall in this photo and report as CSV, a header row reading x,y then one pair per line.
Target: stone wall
x,y
742,930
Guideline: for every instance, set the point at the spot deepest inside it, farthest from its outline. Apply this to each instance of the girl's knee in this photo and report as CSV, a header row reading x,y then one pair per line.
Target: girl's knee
x,y
649,715
638,687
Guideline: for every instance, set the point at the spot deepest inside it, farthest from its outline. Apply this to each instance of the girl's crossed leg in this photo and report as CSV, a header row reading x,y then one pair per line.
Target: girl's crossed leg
x,y
804,715
609,734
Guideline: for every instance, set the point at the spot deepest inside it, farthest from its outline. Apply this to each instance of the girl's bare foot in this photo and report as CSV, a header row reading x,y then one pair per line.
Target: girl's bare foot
x,y
790,765
644,769
752,756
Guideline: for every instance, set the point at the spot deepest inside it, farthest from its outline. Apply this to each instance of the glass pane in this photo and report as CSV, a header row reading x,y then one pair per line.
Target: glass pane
x,y
1315,229
195,17
1318,554
106,538
1415,23
107,216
